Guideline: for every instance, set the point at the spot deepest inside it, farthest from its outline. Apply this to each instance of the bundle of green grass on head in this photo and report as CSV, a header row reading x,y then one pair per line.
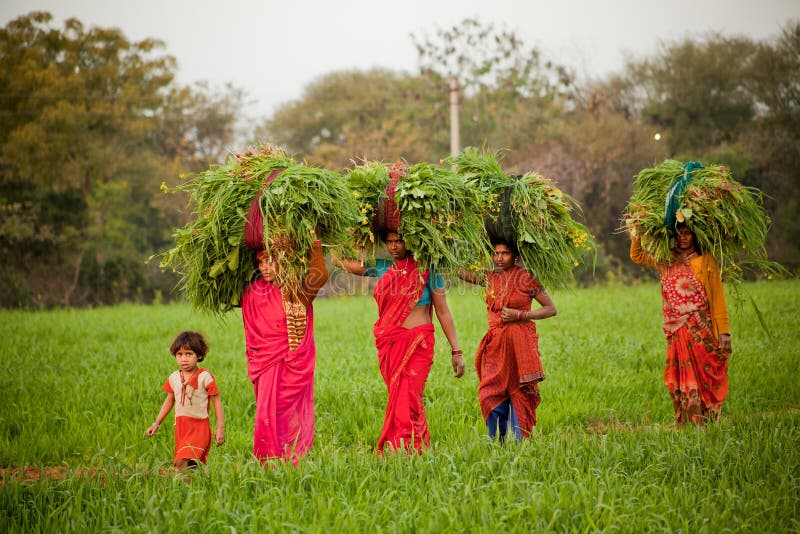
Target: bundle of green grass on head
x,y
531,212
430,206
727,218
294,205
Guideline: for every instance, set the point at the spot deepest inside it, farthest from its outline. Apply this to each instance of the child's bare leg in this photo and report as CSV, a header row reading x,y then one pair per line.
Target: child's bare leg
x,y
185,463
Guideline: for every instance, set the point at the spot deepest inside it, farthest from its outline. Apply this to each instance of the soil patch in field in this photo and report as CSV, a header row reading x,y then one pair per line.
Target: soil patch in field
x,y
39,474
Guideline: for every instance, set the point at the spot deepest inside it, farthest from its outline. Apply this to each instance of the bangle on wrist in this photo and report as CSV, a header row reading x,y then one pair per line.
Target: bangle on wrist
x,y
458,352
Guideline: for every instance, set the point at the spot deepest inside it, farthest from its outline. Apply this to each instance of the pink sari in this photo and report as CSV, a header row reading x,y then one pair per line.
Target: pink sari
x,y
406,357
283,379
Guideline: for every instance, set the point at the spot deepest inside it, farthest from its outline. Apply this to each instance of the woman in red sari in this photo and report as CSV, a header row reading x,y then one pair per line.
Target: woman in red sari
x,y
507,361
404,337
697,330
281,355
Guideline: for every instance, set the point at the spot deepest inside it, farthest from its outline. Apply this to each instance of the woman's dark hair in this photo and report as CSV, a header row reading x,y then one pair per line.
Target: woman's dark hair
x,y
511,246
383,234
193,341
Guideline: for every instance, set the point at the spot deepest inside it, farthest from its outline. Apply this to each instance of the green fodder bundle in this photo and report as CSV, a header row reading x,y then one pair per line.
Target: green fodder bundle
x,y
727,218
531,212
297,206
437,214
368,184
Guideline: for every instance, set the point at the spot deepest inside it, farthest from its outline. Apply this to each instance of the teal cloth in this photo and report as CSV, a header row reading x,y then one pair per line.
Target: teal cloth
x,y
672,202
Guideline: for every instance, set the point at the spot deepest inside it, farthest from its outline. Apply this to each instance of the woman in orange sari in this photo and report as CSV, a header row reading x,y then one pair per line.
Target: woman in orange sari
x,y
507,361
404,336
696,327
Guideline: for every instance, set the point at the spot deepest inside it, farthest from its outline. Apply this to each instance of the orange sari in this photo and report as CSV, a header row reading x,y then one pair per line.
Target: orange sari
x,y
507,361
696,372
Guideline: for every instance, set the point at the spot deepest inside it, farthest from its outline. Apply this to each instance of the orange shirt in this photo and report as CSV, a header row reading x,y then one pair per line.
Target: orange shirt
x,y
706,270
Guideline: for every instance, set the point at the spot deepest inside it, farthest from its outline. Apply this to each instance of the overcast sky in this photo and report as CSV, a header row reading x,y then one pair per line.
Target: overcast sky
x,y
273,49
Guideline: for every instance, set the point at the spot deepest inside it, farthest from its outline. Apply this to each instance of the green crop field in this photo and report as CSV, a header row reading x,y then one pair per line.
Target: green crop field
x,y
79,388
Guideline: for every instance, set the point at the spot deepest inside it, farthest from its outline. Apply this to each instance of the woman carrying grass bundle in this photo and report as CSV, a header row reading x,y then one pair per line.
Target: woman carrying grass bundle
x,y
696,326
697,330
281,356
264,199
695,311
404,336
431,211
507,360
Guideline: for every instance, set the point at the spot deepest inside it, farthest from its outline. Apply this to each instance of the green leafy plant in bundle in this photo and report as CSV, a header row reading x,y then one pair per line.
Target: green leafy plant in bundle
x,y
298,206
726,217
440,217
367,183
531,212
209,252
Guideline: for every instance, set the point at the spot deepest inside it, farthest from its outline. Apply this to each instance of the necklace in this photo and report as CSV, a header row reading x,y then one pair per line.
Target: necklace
x,y
185,381
686,258
401,268
186,390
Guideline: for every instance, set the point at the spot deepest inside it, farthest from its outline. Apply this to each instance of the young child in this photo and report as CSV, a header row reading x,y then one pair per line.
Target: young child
x,y
193,387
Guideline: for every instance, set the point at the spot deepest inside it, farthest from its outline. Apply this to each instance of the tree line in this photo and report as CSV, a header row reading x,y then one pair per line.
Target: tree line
x,y
95,123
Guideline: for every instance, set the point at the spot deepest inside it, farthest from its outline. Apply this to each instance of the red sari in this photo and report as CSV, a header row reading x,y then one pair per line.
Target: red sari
x,y
405,357
696,372
507,361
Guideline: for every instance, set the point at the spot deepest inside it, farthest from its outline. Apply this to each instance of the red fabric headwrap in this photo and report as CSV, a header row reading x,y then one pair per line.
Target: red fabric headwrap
x,y
254,225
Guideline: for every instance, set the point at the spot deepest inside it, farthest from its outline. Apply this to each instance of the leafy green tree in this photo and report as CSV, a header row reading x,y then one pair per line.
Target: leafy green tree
x,y
695,91
352,115
736,102
80,103
199,125
93,124
593,151
772,142
507,91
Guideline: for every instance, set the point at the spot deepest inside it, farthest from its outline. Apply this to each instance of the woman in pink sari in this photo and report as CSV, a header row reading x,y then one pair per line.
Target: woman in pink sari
x,y
281,354
406,296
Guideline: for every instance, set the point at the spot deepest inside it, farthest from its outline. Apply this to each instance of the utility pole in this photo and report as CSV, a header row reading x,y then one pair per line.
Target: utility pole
x,y
454,142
